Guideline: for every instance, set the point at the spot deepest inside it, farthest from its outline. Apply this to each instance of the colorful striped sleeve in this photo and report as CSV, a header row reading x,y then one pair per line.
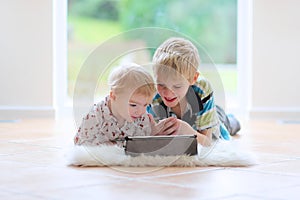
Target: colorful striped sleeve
x,y
206,118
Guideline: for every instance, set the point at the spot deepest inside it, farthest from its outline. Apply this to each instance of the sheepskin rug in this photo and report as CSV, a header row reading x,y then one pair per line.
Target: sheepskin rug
x,y
221,153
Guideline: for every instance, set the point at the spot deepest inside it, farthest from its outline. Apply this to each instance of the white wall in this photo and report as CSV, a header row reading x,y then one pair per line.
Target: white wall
x,y
275,59
26,64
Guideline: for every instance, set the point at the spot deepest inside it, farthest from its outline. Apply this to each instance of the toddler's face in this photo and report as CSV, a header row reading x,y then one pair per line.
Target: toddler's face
x,y
137,106
134,107
172,89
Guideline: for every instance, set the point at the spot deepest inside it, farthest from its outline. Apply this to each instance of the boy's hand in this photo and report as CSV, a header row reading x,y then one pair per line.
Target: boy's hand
x,y
168,126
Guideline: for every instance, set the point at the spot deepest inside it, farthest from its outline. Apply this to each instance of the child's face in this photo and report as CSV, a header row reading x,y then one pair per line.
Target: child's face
x,y
172,89
137,106
131,108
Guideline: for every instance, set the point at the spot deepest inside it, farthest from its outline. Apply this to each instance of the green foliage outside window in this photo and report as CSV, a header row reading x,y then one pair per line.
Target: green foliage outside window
x,y
211,23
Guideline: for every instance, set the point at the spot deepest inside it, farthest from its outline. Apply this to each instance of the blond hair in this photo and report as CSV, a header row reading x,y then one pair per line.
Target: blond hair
x,y
132,76
177,54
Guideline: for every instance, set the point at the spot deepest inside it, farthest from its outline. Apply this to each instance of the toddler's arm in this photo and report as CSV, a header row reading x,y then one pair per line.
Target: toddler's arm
x,y
90,131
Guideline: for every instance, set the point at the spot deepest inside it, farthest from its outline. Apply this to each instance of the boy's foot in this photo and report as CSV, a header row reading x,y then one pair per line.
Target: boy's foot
x,y
234,124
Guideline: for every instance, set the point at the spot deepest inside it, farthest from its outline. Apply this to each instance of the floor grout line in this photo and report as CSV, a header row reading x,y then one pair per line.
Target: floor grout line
x,y
268,172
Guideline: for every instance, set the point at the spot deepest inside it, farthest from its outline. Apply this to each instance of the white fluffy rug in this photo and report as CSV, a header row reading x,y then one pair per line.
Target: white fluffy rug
x,y
222,153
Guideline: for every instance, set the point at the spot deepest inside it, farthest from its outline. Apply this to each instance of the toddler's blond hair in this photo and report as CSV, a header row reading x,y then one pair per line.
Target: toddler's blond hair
x,y
132,76
180,55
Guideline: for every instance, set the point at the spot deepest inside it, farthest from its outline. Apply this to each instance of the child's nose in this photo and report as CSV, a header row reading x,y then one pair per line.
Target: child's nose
x,y
167,92
140,111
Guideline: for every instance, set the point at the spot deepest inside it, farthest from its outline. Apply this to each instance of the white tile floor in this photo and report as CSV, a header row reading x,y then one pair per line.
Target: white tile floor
x,y
32,166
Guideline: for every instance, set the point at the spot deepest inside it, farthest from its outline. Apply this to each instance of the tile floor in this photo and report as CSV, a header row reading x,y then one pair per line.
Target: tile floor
x,y
33,166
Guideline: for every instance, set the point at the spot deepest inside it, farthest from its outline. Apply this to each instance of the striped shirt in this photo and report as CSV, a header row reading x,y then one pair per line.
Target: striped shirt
x,y
200,111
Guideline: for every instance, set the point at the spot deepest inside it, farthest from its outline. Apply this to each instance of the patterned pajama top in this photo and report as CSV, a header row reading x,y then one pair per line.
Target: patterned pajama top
x,y
99,126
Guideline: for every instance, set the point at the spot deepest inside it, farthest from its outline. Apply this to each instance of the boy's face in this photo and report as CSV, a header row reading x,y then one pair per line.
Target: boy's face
x,y
172,89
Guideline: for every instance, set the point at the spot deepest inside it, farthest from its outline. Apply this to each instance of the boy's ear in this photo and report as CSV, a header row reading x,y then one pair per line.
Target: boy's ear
x,y
112,95
195,78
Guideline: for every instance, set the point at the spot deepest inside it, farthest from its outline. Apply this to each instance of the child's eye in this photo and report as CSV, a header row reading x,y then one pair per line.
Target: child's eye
x,y
177,86
132,105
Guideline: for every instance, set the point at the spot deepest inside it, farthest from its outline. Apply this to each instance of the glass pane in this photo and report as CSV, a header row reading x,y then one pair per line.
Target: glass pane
x,y
211,23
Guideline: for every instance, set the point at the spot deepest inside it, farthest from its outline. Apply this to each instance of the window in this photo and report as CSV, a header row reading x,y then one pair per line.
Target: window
x,y
210,23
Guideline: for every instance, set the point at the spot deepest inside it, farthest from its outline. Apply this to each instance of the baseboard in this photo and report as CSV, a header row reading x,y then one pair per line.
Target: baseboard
x,y
23,112
274,113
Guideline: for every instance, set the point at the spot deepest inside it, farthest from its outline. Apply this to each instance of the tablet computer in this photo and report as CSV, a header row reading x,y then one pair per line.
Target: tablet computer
x,y
161,145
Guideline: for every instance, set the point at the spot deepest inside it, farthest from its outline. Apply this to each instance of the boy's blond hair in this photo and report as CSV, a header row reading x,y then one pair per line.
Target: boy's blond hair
x,y
132,76
180,55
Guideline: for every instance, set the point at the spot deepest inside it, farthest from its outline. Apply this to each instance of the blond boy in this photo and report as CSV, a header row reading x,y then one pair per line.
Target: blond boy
x,y
183,95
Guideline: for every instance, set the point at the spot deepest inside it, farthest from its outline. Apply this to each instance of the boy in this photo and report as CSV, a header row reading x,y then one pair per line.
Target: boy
x,y
184,95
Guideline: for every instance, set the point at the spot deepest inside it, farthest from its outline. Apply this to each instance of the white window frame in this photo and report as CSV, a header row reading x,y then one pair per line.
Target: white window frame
x,y
60,57
244,57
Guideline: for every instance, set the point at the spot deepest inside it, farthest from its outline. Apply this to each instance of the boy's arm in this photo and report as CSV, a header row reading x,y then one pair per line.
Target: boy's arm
x,y
207,119
204,137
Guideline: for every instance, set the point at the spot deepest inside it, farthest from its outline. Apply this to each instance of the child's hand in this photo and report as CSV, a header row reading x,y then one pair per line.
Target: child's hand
x,y
168,126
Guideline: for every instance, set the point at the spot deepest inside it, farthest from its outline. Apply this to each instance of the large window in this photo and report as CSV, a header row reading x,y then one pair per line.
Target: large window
x,y
210,23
